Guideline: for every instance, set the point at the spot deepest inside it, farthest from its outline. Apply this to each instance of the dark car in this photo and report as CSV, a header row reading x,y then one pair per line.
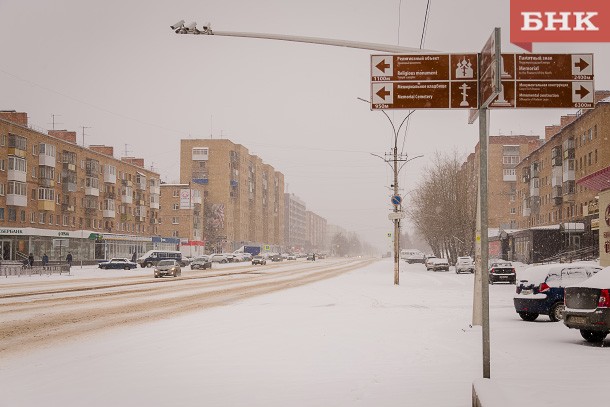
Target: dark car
x,y
502,272
276,257
202,262
588,307
260,260
540,289
118,263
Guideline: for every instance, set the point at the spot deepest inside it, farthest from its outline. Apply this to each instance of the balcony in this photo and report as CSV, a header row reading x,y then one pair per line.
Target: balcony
x,y
16,152
108,213
556,161
44,205
128,199
70,167
16,200
46,182
126,217
556,192
91,191
46,160
16,175
68,186
569,154
110,195
109,177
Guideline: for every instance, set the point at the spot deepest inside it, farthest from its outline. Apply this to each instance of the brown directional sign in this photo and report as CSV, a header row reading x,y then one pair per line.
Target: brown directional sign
x,y
452,81
545,81
554,67
416,81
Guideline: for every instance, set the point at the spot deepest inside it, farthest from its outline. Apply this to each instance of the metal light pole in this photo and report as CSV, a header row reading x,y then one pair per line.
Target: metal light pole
x,y
181,28
395,158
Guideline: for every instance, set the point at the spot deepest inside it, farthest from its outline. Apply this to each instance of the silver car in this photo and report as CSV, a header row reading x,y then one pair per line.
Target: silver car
x,y
167,268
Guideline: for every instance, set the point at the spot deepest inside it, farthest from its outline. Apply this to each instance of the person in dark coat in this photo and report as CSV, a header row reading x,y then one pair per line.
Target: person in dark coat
x,y
31,260
134,257
69,259
45,260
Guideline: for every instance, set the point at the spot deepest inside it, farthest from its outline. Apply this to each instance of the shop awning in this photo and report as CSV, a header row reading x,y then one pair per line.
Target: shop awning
x,y
598,181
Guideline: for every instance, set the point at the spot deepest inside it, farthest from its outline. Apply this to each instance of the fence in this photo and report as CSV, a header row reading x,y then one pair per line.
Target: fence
x,y
17,269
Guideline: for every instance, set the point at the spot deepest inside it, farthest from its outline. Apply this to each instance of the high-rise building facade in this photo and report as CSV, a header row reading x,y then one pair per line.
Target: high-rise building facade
x,y
295,218
243,196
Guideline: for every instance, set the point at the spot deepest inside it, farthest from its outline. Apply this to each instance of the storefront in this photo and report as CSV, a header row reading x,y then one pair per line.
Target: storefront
x,y
86,246
18,243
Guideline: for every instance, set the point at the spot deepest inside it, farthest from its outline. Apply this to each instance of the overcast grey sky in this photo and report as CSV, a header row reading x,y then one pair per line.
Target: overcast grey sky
x,y
117,68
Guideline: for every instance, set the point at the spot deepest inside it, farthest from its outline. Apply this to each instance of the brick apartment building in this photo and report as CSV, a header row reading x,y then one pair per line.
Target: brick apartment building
x,y
243,197
557,212
58,197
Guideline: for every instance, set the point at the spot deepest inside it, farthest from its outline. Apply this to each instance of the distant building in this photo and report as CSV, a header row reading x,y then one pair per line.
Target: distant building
x,y
295,218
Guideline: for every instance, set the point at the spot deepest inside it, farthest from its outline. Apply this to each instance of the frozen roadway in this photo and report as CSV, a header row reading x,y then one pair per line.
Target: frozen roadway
x,y
334,332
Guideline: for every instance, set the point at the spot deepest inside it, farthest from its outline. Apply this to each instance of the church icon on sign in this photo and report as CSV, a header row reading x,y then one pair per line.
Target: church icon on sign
x,y
464,69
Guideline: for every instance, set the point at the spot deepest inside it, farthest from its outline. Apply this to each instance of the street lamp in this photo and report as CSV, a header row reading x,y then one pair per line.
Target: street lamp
x,y
181,28
395,159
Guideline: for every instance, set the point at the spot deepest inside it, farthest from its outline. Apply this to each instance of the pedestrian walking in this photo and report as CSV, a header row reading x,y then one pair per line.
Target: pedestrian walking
x,y
69,259
134,257
45,260
31,260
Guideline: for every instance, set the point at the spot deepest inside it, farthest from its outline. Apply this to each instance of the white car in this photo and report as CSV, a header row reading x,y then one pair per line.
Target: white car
x,y
218,258
464,264
429,260
437,264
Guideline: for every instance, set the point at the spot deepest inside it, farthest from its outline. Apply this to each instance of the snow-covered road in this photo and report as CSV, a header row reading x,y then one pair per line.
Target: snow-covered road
x,y
355,339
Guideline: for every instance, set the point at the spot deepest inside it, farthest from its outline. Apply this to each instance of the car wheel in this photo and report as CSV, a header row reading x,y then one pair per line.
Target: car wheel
x,y
148,265
156,276
593,336
223,261
556,313
126,268
528,316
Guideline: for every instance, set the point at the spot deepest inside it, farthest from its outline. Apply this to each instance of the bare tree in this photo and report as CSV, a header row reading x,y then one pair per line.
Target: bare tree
x,y
441,210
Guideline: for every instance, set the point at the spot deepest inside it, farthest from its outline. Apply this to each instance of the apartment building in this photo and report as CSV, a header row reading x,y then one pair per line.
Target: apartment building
x,y
504,154
295,210
315,232
558,211
58,197
181,217
243,196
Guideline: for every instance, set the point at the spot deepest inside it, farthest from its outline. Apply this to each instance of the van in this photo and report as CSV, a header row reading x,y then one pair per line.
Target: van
x,y
152,257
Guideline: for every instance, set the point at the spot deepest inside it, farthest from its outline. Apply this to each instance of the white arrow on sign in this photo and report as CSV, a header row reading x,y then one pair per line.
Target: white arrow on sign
x,y
383,92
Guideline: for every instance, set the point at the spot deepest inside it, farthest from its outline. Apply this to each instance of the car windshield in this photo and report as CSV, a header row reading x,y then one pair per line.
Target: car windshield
x,y
166,262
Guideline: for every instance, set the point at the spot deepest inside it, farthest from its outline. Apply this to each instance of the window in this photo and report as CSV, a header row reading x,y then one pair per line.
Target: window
x,y
22,216
590,157
50,219
32,217
595,156
1,213
65,220
17,188
3,140
513,211
12,214
176,206
2,165
1,189
42,217
175,220
176,193
509,171
46,194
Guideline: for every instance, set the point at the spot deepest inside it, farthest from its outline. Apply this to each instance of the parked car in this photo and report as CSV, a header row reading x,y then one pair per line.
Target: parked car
x,y
429,260
588,307
260,260
218,258
202,262
118,263
311,256
231,257
464,264
291,257
540,289
438,264
412,256
168,268
502,271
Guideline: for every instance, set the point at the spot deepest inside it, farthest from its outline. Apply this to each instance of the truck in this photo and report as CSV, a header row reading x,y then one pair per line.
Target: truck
x,y
253,250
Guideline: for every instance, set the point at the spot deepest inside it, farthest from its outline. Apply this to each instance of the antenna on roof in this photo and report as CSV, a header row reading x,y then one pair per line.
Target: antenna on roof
x,y
53,122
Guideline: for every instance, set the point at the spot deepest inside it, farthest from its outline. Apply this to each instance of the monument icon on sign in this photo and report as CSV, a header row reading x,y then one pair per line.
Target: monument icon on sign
x,y
464,69
464,102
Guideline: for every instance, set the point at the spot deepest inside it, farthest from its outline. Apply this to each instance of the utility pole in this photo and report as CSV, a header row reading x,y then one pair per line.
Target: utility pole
x,y
394,158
